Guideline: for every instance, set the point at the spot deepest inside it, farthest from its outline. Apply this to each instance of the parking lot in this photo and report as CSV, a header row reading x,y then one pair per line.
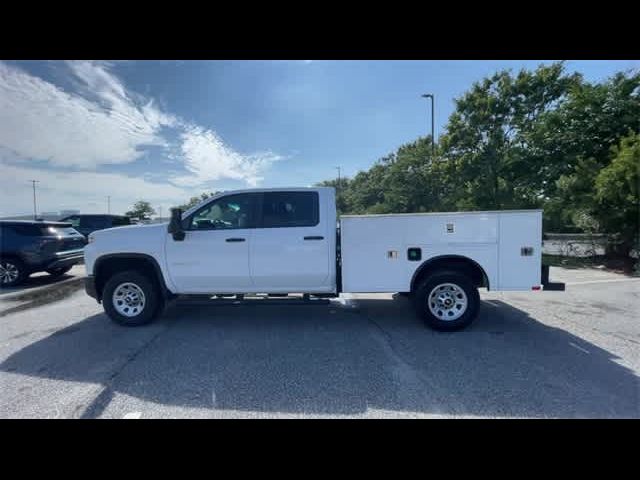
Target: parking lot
x,y
538,354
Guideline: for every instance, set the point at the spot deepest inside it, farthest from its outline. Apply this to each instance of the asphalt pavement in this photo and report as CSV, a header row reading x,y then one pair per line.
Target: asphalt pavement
x,y
572,354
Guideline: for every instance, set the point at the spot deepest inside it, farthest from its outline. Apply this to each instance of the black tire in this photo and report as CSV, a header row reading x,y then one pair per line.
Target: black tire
x,y
426,287
153,301
11,264
56,272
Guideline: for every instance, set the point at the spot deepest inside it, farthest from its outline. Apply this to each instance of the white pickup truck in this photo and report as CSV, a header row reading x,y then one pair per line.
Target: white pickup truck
x,y
276,242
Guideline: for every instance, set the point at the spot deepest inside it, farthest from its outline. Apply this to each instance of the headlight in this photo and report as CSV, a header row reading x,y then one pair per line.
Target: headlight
x,y
90,238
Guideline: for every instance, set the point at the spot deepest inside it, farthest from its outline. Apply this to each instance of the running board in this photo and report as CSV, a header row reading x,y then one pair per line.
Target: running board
x,y
212,300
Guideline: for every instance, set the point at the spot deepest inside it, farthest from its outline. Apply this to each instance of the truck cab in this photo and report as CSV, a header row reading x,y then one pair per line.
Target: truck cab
x,y
272,241
268,241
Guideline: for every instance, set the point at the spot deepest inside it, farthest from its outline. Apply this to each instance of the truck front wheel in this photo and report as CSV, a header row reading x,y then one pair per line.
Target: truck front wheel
x,y
131,299
447,300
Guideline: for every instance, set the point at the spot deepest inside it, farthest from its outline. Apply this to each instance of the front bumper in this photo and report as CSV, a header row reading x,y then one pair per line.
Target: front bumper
x,y
90,287
65,261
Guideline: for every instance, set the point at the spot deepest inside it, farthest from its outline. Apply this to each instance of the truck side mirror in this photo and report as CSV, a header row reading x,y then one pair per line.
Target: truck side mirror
x,y
175,225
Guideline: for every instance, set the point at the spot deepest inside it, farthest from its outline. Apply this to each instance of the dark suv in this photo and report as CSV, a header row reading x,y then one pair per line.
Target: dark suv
x,y
27,247
86,223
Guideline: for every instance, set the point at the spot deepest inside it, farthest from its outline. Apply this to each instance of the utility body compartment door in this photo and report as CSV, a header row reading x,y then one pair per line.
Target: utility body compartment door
x,y
520,250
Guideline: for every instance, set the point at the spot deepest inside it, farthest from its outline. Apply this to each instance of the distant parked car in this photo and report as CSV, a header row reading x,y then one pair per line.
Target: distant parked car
x,y
27,247
86,224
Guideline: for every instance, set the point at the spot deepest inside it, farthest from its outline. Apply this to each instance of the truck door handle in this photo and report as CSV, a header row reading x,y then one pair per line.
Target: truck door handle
x,y
314,238
235,239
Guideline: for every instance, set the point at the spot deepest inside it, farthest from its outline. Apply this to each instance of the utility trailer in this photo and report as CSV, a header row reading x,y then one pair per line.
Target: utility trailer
x,y
273,242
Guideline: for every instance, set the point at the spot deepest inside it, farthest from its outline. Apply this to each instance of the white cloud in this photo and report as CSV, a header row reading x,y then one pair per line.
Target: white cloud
x,y
101,122
83,190
209,159
40,121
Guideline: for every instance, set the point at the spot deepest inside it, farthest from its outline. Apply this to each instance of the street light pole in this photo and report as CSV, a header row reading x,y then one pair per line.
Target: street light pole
x,y
108,203
35,209
433,142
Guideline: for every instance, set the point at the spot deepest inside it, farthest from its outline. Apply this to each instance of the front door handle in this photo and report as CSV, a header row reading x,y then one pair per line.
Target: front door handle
x,y
314,238
235,239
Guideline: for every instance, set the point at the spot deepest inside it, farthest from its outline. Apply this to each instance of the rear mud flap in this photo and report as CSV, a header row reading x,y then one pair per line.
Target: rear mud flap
x,y
551,286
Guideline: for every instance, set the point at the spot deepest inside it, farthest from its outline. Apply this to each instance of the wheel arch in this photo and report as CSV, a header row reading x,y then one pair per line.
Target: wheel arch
x,y
458,263
107,265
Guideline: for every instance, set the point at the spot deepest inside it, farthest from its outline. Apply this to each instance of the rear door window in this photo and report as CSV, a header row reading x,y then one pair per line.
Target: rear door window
x,y
95,222
290,209
120,221
74,221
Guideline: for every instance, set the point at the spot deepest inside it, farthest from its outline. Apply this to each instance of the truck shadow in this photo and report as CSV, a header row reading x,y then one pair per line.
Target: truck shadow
x,y
375,357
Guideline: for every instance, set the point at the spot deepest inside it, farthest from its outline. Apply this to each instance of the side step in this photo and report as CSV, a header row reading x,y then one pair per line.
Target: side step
x,y
250,300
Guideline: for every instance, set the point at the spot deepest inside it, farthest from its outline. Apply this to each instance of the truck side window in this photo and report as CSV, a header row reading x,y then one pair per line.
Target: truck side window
x,y
120,221
95,221
290,209
231,212
74,221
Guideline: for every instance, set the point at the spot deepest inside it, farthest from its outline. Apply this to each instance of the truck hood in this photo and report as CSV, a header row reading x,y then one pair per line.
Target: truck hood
x,y
131,231
148,240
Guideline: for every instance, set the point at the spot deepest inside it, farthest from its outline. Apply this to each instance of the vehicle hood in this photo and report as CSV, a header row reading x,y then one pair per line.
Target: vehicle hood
x,y
130,231
131,238
145,240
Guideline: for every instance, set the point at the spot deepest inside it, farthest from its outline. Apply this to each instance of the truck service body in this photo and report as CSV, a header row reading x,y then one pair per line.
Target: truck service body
x,y
289,240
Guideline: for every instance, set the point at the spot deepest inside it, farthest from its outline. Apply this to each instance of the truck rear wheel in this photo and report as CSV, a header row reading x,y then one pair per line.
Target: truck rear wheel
x,y
447,301
131,299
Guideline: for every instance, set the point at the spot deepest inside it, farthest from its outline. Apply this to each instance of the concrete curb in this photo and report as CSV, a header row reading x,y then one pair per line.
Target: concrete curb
x,y
40,296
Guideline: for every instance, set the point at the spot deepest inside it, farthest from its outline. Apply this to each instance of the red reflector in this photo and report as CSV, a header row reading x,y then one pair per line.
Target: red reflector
x,y
535,287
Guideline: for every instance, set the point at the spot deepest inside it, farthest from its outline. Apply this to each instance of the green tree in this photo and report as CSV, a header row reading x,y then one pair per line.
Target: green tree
x,y
405,181
141,209
341,187
574,143
616,194
542,138
489,135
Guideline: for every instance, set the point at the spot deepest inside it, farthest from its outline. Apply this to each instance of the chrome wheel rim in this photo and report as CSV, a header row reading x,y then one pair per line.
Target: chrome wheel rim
x,y
447,302
8,272
128,299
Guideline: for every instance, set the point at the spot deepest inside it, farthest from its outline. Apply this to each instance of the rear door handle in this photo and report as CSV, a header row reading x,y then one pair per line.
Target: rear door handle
x,y
235,239
314,238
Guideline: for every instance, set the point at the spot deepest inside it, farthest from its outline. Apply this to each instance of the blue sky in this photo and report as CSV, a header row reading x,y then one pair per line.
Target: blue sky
x,y
167,130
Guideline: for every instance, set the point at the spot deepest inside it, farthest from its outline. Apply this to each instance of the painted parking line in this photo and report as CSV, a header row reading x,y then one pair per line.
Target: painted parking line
x,y
132,416
579,347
